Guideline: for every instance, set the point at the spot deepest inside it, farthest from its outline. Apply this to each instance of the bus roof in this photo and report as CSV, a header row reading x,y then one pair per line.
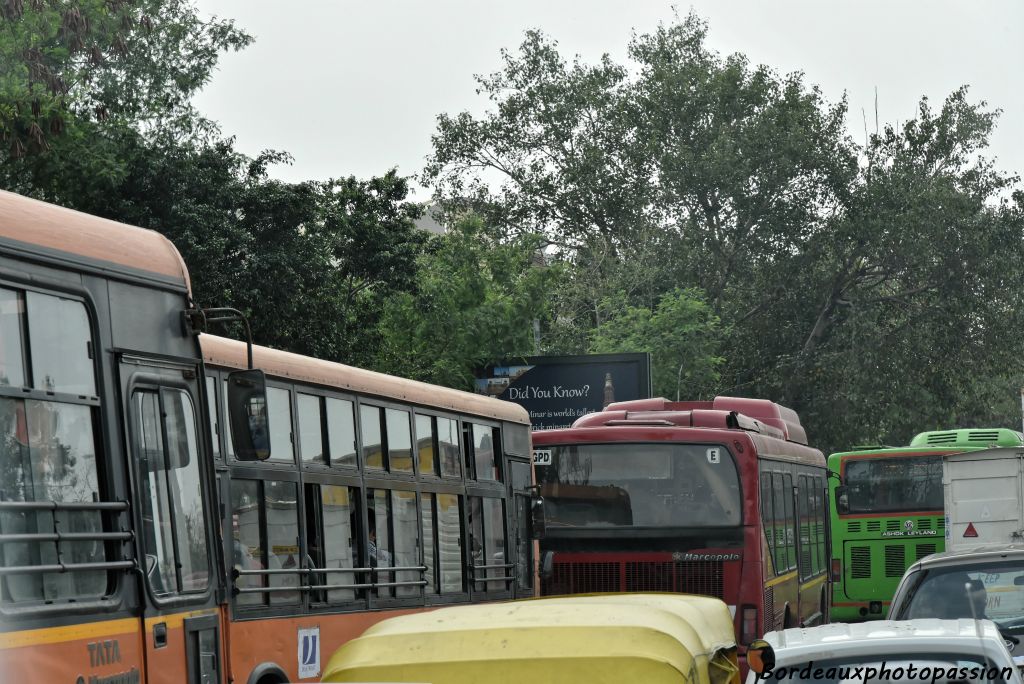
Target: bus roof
x,y
221,351
944,442
53,233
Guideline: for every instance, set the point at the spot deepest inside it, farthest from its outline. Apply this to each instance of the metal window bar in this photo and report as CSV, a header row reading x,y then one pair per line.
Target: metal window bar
x,y
494,566
236,573
65,536
66,567
119,506
59,537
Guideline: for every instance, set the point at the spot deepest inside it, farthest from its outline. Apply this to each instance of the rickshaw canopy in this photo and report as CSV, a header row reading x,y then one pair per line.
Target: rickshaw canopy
x,y
588,638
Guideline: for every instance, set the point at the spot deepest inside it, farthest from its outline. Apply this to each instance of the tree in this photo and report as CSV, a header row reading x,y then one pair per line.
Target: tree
x,y
81,76
682,335
310,263
874,289
474,302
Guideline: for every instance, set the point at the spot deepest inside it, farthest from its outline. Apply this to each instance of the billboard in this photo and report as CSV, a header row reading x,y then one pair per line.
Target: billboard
x,y
556,390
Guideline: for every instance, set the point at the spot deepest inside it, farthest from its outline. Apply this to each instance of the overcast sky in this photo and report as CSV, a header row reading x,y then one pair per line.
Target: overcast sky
x,y
353,88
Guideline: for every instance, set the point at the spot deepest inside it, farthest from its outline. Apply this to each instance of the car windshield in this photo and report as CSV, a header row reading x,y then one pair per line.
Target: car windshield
x,y
991,590
640,485
927,667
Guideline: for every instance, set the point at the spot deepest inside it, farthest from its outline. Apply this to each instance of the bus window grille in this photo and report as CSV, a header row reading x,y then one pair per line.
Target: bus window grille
x,y
895,560
874,526
924,523
924,550
860,562
853,526
892,525
769,609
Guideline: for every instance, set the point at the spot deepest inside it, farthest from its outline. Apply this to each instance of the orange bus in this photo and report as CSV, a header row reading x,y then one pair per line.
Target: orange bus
x,y
137,546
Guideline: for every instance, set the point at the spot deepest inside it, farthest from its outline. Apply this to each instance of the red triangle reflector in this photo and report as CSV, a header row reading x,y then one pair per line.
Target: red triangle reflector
x,y
970,531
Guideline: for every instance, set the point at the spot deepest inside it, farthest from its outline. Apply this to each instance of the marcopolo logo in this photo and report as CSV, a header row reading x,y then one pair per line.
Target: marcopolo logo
x,y
702,556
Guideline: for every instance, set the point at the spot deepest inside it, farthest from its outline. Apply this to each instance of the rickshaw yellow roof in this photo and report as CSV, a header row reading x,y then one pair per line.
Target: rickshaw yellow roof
x,y
595,638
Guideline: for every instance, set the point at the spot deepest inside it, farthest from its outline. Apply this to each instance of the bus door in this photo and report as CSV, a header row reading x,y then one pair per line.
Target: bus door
x,y
520,497
181,620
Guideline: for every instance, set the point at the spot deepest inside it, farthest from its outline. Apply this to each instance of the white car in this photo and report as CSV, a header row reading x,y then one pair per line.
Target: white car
x,y
981,582
928,650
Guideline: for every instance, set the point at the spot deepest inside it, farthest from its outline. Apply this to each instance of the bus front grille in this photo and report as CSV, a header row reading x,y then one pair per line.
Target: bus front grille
x,y
687,577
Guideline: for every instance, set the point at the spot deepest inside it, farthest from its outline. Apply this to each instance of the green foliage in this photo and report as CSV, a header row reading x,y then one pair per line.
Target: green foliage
x,y
681,333
310,263
474,301
874,289
74,73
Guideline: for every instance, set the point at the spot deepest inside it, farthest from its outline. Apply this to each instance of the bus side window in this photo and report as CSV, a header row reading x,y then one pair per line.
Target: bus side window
x,y
779,524
211,402
803,527
790,521
332,534
820,518
767,513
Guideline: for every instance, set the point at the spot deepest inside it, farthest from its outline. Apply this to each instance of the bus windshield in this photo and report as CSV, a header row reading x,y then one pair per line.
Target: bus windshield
x,y
894,484
640,485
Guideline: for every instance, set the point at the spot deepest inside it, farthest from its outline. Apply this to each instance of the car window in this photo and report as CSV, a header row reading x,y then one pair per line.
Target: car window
x,y
993,591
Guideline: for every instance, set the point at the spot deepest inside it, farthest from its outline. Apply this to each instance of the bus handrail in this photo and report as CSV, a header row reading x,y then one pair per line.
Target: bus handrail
x,y
495,566
65,537
66,567
95,506
400,568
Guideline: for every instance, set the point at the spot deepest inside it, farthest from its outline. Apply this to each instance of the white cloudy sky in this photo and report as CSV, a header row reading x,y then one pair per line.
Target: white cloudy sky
x,y
354,87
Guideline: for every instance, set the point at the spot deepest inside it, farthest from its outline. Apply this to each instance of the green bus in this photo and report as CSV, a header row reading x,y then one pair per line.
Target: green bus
x,y
886,513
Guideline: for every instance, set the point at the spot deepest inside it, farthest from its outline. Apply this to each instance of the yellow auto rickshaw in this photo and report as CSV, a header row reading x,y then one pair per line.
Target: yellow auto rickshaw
x,y
590,639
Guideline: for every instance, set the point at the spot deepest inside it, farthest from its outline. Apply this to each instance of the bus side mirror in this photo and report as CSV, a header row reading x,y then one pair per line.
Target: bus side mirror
x,y
248,416
760,657
842,500
538,525
547,565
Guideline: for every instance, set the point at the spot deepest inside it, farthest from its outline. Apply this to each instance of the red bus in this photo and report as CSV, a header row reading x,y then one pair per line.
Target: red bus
x,y
721,498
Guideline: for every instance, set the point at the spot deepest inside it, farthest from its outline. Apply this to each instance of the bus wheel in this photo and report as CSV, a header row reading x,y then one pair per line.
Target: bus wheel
x,y
267,673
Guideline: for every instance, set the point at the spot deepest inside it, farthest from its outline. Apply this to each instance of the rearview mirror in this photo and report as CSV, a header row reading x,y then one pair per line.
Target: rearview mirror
x,y
760,657
248,416
547,565
1018,581
842,500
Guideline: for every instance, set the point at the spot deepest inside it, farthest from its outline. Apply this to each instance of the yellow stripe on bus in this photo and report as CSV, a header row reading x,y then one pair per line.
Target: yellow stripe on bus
x,y
780,579
177,619
790,575
53,635
94,630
